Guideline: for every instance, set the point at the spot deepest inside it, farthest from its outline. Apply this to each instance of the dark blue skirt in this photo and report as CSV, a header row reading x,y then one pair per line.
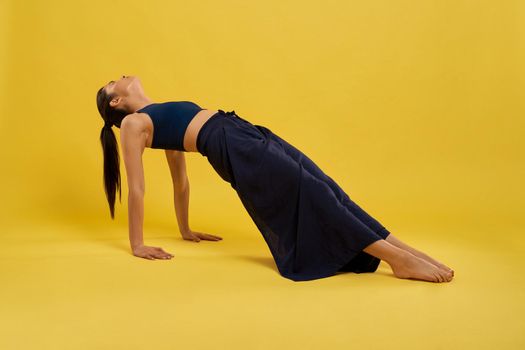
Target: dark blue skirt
x,y
311,226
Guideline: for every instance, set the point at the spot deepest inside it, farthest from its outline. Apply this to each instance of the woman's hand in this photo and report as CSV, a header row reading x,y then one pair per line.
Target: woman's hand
x,y
151,253
197,236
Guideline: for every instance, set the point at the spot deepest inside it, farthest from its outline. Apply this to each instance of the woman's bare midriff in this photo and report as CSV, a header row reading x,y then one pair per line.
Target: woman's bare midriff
x,y
190,135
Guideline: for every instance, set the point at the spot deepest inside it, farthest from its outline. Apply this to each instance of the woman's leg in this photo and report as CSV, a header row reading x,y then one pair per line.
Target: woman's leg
x,y
406,265
341,195
353,207
403,263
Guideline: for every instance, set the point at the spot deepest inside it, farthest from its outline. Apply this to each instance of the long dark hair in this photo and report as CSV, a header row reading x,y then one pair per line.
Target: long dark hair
x,y
111,116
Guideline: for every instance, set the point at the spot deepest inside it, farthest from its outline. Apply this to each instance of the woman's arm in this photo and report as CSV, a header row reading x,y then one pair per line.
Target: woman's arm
x,y
181,194
182,201
136,219
133,140
181,188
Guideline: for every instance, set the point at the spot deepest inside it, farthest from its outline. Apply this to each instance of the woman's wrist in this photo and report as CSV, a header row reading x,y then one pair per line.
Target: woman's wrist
x,y
185,231
136,245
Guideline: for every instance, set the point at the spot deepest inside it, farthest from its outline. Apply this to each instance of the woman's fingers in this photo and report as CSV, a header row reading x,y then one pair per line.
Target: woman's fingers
x,y
198,236
158,256
163,254
168,254
211,237
151,253
207,236
158,253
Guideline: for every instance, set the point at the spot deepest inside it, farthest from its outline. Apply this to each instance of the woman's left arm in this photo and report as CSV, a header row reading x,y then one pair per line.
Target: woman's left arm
x,y
181,196
181,188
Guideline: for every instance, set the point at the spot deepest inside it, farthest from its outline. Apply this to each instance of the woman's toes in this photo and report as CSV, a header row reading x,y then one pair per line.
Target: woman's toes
x,y
444,277
448,276
438,277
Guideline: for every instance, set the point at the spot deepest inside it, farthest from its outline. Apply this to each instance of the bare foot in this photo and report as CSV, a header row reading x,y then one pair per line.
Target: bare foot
x,y
411,266
433,261
398,243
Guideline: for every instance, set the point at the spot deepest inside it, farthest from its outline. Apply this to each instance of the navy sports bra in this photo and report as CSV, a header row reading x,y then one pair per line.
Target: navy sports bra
x,y
170,120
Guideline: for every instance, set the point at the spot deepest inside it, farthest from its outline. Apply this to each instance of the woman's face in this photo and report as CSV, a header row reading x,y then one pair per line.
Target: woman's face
x,y
125,88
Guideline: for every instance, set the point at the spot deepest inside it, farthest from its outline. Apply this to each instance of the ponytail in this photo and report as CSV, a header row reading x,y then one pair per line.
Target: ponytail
x,y
111,167
111,176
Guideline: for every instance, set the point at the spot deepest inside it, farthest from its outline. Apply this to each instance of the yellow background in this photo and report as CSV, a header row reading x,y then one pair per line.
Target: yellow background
x,y
416,109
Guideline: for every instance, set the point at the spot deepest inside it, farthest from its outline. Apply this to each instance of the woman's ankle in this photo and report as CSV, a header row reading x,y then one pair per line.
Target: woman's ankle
x,y
388,252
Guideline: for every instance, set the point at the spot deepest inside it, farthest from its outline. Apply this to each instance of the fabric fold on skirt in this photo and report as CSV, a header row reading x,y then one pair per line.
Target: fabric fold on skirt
x,y
311,226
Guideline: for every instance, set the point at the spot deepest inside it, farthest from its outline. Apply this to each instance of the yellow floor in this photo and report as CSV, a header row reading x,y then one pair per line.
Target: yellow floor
x,y
77,286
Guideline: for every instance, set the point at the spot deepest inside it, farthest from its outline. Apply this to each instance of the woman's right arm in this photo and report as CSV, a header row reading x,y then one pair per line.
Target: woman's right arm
x,y
133,142
136,218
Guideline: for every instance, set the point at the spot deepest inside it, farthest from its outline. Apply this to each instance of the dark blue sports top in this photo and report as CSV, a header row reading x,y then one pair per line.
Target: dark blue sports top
x,y
170,120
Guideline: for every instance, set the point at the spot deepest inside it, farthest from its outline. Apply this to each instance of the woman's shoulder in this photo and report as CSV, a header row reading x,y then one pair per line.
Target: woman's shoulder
x,y
135,120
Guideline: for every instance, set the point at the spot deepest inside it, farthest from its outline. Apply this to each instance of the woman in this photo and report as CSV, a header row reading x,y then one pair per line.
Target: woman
x,y
309,223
